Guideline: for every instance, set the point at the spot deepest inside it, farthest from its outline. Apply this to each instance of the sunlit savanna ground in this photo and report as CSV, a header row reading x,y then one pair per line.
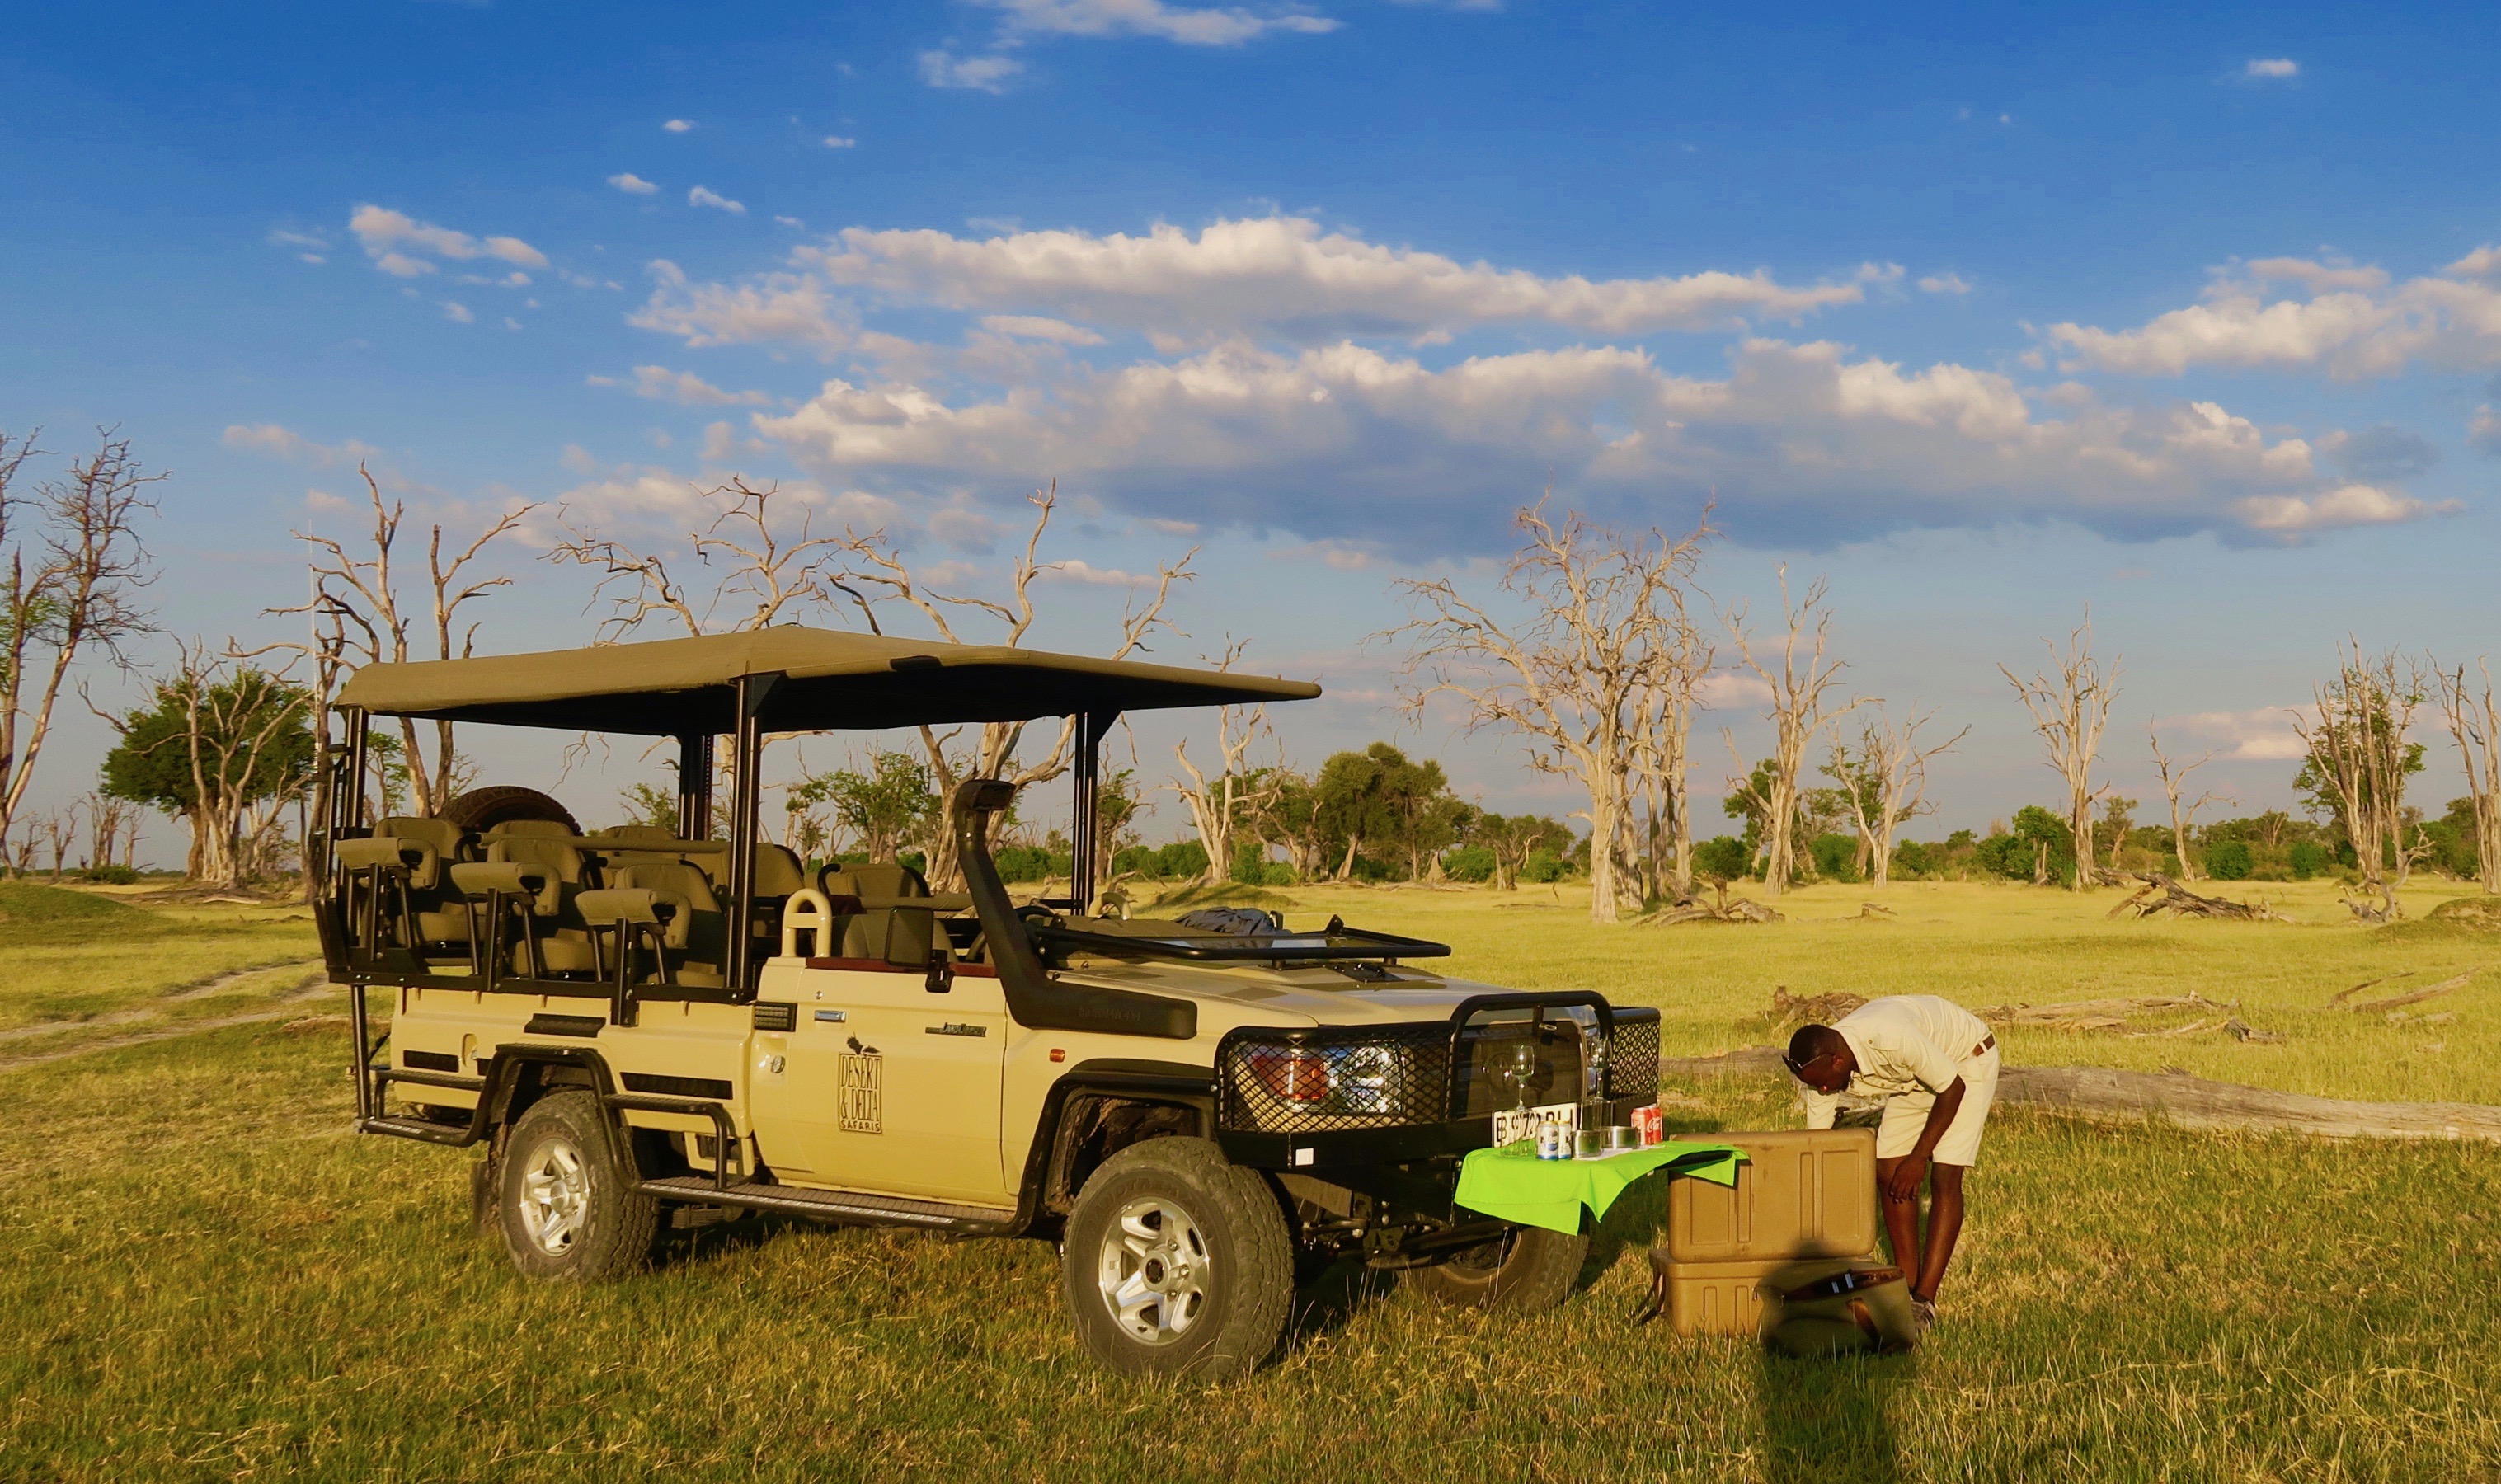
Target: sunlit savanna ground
x,y
205,1275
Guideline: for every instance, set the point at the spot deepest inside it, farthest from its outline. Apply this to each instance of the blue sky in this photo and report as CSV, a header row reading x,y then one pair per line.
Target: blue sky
x,y
1989,314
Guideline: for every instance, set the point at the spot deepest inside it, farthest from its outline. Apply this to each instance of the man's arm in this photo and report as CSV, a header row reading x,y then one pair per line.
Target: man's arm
x,y
1821,1109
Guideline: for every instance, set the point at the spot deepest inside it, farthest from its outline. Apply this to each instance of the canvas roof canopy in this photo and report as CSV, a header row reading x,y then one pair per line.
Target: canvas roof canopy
x,y
826,680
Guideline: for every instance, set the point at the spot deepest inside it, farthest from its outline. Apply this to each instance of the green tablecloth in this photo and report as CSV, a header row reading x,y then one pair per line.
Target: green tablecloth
x,y
1512,1183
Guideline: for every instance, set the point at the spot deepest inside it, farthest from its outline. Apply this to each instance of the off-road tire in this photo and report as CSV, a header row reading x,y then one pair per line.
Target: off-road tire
x,y
558,1167
483,809
1211,1231
1530,1269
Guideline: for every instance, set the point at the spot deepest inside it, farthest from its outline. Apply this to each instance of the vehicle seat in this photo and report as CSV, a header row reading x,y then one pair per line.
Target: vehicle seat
x,y
564,939
696,937
442,919
904,936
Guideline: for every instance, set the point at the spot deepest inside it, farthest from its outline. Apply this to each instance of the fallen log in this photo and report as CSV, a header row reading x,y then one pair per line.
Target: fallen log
x,y
2107,1095
2375,1006
2160,894
2340,996
1694,909
1789,1009
2071,1014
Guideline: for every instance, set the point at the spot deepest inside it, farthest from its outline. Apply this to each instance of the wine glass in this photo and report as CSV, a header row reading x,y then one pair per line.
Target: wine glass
x,y
1519,1069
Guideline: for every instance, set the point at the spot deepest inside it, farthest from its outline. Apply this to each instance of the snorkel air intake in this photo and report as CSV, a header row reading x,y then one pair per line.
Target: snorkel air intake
x,y
1034,998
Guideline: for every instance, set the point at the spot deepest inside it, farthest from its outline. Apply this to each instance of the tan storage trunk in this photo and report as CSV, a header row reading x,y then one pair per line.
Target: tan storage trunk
x,y
1799,1193
1716,1298
1728,1298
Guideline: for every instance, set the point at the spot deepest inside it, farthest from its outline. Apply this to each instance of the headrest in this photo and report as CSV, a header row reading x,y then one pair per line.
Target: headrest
x,y
778,872
875,879
442,833
532,829
638,834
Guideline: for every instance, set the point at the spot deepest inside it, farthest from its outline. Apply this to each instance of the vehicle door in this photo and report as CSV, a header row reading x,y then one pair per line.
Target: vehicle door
x,y
890,1082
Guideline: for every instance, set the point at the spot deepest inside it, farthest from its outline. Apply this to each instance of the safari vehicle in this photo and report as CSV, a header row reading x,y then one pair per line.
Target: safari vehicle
x,y
647,1028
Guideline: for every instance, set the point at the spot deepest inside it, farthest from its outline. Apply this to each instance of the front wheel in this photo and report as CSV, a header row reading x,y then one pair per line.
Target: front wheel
x,y
1177,1261
569,1213
1525,1269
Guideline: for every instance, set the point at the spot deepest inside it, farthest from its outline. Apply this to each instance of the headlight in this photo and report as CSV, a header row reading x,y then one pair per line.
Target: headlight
x,y
1343,1080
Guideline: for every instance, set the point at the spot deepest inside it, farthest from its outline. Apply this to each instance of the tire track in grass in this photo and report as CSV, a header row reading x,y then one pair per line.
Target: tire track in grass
x,y
194,989
310,989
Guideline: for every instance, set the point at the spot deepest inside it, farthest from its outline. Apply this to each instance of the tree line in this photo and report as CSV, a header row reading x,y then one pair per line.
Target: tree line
x,y
1592,649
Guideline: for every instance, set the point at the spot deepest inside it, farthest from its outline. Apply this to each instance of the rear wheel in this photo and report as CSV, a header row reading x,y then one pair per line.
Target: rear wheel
x,y
1177,1261
1525,1270
483,809
568,1212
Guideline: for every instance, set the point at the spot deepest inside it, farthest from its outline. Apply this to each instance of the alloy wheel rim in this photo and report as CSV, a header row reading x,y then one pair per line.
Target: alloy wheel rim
x,y
1155,1271
556,1195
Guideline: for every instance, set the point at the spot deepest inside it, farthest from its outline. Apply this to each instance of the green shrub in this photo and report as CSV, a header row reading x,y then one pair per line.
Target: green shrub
x,y
1836,857
2229,861
1183,860
1914,859
109,875
1545,866
1722,858
1469,863
2309,859
1029,863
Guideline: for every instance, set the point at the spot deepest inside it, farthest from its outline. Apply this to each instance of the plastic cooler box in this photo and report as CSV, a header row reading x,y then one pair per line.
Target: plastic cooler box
x,y
1800,1195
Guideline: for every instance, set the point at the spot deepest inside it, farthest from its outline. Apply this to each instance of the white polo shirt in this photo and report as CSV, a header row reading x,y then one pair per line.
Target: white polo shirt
x,y
1903,1043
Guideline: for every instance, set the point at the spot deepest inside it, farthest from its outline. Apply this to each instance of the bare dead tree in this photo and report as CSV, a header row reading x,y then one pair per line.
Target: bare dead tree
x,y
75,568
2474,722
2068,710
2175,787
1570,676
60,826
2357,737
877,579
1886,783
1662,745
1800,677
360,619
1238,792
108,820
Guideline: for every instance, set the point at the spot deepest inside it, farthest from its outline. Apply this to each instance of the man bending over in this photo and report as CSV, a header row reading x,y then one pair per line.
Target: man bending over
x,y
1934,1064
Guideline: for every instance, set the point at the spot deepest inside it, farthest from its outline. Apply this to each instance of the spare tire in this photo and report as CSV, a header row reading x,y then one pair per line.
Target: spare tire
x,y
483,809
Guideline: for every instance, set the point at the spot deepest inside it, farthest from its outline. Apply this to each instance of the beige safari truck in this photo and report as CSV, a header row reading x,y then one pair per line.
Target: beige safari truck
x,y
644,1029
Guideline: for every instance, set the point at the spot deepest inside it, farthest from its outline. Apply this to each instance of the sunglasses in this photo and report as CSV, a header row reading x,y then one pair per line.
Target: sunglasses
x,y
1798,1068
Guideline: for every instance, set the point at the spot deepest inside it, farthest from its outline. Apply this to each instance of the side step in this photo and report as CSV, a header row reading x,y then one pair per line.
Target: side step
x,y
835,1205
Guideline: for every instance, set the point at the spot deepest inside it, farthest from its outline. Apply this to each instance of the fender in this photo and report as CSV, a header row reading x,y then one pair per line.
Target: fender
x,y
1172,1084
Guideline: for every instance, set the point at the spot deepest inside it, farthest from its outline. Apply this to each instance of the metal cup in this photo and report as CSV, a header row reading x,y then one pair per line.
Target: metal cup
x,y
1622,1137
1589,1144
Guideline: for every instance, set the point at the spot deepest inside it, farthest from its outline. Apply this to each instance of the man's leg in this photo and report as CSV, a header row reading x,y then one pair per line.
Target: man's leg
x,y
1901,1223
1945,1224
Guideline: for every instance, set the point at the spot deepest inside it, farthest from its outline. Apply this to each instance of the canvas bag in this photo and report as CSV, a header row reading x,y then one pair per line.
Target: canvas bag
x,y
1823,1310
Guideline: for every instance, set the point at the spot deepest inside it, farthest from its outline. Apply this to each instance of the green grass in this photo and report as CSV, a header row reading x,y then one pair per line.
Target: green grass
x,y
208,1276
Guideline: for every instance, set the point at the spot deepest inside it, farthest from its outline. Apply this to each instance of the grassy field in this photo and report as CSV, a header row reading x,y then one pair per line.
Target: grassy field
x,y
207,1276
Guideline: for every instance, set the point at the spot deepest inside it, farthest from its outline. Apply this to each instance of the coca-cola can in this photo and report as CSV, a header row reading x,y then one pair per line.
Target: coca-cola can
x,y
1651,1124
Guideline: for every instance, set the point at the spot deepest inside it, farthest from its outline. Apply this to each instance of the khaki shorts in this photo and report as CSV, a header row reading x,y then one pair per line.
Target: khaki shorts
x,y
1906,1114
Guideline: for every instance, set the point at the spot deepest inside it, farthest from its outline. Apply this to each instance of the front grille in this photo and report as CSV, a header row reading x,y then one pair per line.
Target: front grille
x,y
1632,1058
1342,1079
1324,1081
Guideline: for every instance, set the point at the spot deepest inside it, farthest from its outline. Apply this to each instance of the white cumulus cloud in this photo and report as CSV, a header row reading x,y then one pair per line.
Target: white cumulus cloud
x,y
2272,67
703,196
775,308
1288,276
1188,26
987,74
841,141
685,388
1798,440
633,185
457,312
2283,313
393,239
677,126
